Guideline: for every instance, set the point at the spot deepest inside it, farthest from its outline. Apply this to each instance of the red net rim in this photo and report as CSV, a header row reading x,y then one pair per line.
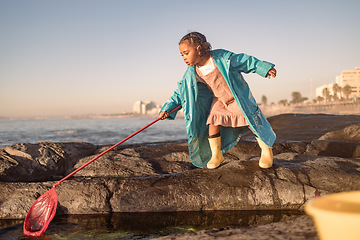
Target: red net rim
x,y
40,214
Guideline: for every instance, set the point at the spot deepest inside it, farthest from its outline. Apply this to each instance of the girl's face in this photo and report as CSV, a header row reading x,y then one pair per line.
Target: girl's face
x,y
190,53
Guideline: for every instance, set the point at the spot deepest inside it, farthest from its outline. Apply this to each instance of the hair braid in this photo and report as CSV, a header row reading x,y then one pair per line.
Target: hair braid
x,y
197,38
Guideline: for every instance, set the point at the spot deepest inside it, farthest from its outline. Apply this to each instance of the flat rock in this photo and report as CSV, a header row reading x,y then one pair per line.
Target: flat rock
x,y
235,185
307,127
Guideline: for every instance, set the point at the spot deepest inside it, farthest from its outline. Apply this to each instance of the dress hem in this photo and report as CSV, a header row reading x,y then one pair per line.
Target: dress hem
x,y
226,121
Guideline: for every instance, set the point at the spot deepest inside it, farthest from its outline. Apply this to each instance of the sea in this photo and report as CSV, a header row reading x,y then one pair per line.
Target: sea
x,y
98,131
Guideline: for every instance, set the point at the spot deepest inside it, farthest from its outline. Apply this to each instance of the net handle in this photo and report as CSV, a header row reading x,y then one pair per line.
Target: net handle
x,y
109,149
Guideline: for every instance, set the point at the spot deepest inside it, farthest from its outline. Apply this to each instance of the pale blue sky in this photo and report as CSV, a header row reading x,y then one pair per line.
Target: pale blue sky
x,y
84,56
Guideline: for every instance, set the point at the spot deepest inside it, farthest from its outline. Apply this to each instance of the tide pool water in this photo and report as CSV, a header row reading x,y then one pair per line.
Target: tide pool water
x,y
131,226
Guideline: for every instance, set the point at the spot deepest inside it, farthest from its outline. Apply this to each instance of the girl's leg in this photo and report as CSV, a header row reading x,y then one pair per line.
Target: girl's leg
x,y
215,146
213,130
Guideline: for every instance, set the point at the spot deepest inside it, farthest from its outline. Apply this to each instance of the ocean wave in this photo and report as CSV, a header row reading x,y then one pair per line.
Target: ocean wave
x,y
64,131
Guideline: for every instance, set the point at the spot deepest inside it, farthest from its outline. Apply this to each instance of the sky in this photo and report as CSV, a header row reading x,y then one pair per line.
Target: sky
x,y
76,57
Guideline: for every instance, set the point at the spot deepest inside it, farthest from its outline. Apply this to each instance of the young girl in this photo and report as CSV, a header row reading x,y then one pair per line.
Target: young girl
x,y
217,103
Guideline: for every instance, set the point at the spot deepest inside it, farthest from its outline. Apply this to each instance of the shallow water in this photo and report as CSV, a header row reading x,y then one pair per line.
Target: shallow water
x,y
143,225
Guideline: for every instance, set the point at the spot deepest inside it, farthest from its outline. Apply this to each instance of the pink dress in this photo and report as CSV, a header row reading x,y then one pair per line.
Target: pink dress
x,y
224,109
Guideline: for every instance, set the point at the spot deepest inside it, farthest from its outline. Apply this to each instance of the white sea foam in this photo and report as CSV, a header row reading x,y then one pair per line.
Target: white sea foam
x,y
64,132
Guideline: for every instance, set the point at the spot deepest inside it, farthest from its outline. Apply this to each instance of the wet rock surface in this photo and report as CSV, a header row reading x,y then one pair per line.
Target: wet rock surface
x,y
314,155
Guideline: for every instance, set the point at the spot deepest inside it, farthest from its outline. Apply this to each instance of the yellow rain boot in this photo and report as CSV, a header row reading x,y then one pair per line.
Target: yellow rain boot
x,y
217,157
266,159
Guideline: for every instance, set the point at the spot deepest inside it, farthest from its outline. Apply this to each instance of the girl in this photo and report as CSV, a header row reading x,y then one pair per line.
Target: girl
x,y
217,103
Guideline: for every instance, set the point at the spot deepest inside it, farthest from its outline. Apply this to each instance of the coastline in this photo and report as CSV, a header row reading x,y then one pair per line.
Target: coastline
x,y
337,108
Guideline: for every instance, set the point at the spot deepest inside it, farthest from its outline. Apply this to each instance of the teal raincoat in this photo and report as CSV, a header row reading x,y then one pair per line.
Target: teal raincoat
x,y
196,100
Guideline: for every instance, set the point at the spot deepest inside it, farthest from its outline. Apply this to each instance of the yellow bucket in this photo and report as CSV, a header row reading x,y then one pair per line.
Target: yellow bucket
x,y
336,216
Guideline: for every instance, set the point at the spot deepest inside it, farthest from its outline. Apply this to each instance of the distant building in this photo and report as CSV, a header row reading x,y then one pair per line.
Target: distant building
x,y
351,78
347,77
137,107
146,108
320,90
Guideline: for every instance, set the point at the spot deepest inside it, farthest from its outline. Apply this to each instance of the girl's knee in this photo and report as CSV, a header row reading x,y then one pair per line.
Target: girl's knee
x,y
213,129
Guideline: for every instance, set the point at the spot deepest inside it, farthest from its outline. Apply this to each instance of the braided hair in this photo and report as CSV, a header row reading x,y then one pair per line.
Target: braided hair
x,y
198,39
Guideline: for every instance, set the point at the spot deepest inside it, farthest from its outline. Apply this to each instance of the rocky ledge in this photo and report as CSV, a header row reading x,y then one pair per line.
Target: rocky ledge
x,y
314,155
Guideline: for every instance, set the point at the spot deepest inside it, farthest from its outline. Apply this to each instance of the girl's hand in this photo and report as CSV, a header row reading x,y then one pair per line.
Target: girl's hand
x,y
164,115
271,73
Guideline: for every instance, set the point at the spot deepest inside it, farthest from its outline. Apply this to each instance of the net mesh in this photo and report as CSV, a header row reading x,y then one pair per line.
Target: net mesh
x,y
40,214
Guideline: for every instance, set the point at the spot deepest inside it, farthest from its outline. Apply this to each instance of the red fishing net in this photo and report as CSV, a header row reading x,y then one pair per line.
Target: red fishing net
x,y
44,208
41,213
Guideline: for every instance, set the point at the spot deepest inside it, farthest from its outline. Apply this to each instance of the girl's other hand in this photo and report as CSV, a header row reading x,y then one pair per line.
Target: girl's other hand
x,y
271,73
164,115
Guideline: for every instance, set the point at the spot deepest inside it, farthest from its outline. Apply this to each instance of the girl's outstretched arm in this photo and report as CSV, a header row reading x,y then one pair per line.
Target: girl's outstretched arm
x,y
271,73
249,64
171,104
